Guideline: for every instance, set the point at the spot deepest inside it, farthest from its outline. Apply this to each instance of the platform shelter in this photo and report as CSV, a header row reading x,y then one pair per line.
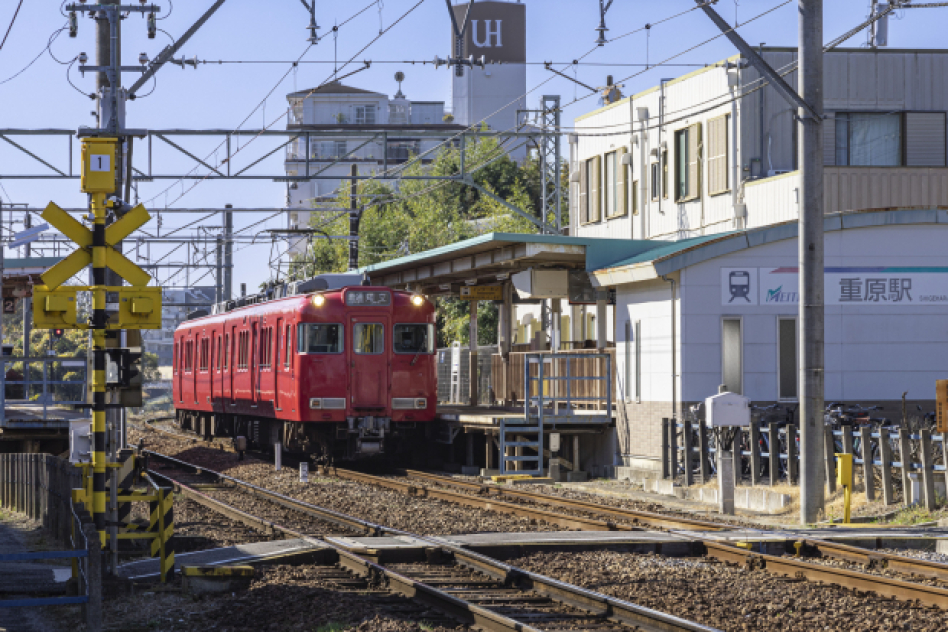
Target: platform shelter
x,y
550,379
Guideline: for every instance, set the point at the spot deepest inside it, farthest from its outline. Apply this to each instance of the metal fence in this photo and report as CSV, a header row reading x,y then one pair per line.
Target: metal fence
x,y
484,355
886,460
43,388
41,486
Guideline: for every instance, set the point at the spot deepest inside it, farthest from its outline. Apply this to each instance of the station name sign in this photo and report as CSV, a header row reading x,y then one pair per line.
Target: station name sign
x,y
875,286
482,293
370,298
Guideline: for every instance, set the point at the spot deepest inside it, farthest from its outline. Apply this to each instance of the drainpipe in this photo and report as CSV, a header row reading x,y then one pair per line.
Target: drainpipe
x,y
674,341
763,94
737,206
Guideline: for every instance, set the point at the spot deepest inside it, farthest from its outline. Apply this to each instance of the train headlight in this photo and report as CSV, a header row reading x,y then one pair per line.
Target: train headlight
x,y
417,300
421,403
319,300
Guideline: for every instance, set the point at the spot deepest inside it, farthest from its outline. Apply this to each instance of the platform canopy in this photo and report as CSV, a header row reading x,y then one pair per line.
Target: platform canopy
x,y
494,256
20,275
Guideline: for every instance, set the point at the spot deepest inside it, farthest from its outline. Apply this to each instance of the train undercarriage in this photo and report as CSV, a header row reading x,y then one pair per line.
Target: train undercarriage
x,y
324,442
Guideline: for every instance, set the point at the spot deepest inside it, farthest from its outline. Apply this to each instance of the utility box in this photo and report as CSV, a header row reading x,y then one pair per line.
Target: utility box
x,y
941,404
728,410
533,283
98,165
80,441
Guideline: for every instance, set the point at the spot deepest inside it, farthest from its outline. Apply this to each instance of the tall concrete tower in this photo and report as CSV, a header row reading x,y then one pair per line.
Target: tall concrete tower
x,y
493,94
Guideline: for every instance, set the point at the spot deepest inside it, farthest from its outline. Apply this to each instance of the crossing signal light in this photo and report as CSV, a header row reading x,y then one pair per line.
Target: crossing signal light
x,y
58,333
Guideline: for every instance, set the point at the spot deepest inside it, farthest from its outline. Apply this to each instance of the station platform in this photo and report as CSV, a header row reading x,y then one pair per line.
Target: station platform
x,y
488,417
274,552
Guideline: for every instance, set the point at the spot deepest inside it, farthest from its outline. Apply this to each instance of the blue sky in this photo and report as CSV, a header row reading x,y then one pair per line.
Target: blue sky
x,y
222,96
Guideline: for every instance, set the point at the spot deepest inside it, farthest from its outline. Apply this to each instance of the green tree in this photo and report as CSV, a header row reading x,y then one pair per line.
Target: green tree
x,y
422,214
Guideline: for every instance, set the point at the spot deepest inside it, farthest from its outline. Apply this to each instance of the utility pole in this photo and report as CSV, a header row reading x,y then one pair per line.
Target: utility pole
x,y
228,253
354,217
811,262
27,320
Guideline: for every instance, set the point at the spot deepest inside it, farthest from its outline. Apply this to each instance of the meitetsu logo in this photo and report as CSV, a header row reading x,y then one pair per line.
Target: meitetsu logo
x,y
779,296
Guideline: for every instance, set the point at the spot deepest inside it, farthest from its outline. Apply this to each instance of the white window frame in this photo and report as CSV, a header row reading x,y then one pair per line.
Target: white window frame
x,y
740,320
796,351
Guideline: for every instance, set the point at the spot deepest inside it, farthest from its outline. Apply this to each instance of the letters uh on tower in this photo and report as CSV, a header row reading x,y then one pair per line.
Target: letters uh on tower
x,y
54,304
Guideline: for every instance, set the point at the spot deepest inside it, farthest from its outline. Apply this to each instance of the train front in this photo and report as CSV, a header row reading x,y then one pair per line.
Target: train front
x,y
368,370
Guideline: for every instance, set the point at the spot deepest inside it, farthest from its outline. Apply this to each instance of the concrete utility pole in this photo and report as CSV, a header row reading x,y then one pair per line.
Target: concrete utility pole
x,y
811,262
228,253
354,217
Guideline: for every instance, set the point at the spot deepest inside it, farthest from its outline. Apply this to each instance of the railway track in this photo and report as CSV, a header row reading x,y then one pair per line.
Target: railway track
x,y
473,494
498,499
466,586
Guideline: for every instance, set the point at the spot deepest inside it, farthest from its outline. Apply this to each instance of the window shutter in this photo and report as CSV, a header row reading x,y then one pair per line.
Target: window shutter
x,y
584,192
829,140
718,155
595,190
694,161
635,197
622,193
925,139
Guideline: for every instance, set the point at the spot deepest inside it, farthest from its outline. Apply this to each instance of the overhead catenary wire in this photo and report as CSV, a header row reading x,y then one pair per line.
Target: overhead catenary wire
x,y
283,78
12,22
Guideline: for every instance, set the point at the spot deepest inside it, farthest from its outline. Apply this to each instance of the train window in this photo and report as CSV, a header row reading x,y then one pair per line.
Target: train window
x,y
368,338
204,353
242,345
217,359
286,342
320,338
265,341
414,339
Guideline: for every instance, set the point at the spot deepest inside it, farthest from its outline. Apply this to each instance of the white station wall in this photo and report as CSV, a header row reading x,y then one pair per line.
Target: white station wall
x,y
874,351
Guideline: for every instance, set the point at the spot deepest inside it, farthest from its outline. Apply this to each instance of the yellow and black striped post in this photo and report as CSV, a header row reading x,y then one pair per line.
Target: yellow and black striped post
x,y
98,326
162,522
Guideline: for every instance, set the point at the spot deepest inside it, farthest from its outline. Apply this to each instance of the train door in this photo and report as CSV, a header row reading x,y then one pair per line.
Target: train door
x,y
178,364
216,377
229,360
193,362
276,362
368,361
254,358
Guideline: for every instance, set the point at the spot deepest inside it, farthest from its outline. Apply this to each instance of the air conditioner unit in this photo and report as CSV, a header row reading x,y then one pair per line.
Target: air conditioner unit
x,y
535,283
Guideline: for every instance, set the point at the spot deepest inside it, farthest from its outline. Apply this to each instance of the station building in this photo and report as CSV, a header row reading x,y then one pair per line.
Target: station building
x,y
685,203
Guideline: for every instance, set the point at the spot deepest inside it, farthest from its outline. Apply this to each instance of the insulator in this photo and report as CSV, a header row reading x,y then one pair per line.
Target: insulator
x,y
73,24
152,25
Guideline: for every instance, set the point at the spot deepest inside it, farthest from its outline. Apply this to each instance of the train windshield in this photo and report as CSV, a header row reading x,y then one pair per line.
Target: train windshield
x,y
320,338
414,339
368,338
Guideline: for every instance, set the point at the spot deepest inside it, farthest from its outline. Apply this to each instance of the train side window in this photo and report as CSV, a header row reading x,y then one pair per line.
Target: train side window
x,y
226,350
320,338
217,358
287,344
265,347
414,339
368,338
203,357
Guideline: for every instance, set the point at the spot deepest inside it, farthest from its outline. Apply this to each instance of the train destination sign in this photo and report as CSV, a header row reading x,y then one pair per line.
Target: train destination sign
x,y
482,293
368,298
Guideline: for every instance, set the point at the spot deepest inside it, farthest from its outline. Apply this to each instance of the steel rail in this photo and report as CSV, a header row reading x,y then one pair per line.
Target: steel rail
x,y
596,604
634,516
875,559
854,580
650,519
570,522
417,591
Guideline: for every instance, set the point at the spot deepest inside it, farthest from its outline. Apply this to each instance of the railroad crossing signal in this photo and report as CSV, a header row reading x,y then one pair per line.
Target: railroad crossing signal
x,y
139,306
55,306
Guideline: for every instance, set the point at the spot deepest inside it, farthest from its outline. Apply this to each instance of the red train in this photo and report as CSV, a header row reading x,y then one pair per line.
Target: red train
x,y
336,374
